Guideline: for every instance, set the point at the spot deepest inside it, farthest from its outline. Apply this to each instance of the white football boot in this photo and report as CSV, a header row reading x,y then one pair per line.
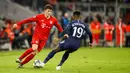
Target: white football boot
x,y
58,68
18,61
42,64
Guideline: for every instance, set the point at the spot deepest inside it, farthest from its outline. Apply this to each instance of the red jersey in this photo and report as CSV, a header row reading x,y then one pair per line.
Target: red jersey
x,y
43,25
118,36
128,28
95,27
10,34
118,29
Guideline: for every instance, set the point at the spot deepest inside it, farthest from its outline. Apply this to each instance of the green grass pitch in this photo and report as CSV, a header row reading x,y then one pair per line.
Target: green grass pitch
x,y
85,60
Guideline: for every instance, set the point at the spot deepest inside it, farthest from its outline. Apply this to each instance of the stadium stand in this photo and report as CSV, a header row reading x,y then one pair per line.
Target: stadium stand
x,y
14,11
5,44
17,10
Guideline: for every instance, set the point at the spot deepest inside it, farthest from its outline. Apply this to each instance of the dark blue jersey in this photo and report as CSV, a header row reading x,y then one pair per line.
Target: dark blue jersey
x,y
77,29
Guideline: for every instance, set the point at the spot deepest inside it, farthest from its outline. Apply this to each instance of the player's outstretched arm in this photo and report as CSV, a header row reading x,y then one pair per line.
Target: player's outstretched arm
x,y
90,35
65,32
58,25
27,20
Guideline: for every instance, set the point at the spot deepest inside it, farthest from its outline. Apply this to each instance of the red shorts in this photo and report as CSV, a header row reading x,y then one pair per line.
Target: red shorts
x,y
96,38
108,37
39,42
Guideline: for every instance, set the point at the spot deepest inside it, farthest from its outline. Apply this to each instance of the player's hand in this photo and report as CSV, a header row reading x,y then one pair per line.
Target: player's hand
x,y
90,45
15,25
66,35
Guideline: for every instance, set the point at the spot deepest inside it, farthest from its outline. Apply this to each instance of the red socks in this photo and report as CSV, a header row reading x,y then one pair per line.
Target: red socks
x,y
28,55
27,52
28,58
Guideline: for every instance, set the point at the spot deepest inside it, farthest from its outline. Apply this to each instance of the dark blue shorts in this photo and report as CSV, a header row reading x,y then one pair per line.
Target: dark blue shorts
x,y
69,44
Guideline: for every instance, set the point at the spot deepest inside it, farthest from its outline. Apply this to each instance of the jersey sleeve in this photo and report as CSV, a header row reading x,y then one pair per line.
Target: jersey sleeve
x,y
66,31
89,33
58,26
27,20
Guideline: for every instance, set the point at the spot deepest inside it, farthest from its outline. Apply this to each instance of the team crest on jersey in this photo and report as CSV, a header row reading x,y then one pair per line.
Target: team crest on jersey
x,y
50,22
43,25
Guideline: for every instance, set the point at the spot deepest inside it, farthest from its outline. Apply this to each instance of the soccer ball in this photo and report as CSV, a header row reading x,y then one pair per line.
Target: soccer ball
x,y
37,64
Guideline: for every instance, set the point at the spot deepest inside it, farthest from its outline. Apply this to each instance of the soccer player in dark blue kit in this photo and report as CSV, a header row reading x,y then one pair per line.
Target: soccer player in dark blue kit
x,y
75,31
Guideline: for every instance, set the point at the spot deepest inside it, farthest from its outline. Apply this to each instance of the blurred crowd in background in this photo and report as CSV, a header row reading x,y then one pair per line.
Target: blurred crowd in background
x,y
106,32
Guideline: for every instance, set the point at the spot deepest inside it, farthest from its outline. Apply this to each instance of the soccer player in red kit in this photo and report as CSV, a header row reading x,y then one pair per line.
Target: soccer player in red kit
x,y
120,26
44,23
95,28
108,32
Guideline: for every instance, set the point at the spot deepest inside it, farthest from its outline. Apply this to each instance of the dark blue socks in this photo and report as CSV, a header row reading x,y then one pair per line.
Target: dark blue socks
x,y
50,55
64,58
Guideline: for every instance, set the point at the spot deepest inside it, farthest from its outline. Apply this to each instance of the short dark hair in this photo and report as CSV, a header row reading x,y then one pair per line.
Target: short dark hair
x,y
77,13
48,6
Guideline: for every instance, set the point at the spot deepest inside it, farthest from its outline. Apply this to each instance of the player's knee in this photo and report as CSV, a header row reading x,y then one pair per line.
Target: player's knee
x,y
34,47
35,52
